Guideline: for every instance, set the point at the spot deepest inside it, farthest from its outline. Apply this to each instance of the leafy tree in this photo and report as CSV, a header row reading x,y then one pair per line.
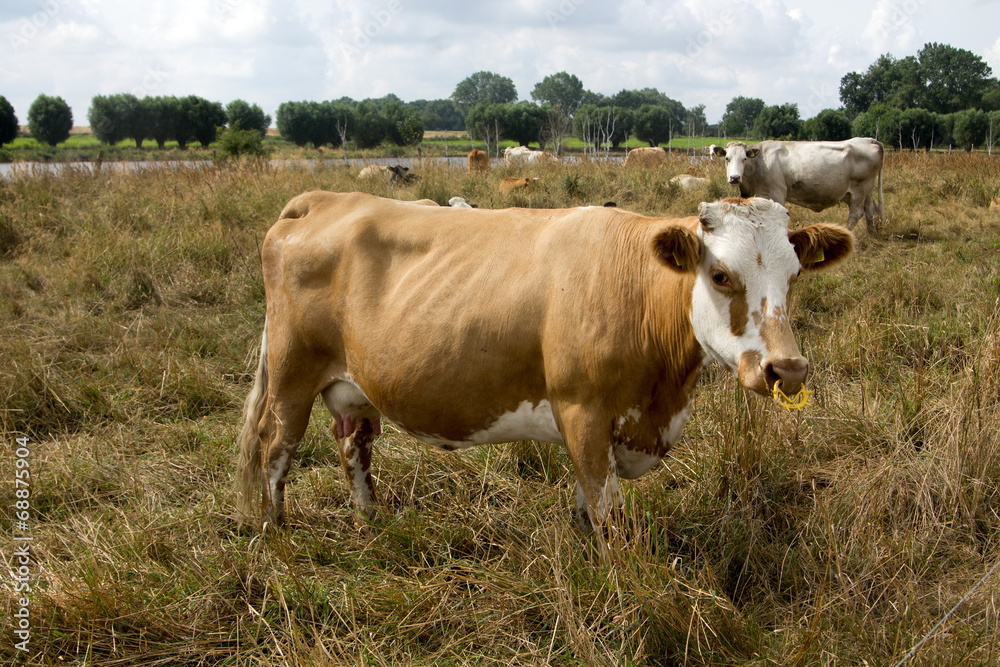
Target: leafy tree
x,y
247,117
404,127
970,128
523,122
116,117
741,112
371,126
439,114
633,99
919,128
50,119
236,142
827,125
562,90
8,122
162,118
652,124
295,121
991,99
105,118
487,123
205,117
778,121
955,78
880,122
483,88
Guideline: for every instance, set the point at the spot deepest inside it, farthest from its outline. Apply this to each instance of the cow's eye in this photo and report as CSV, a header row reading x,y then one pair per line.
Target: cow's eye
x,y
721,279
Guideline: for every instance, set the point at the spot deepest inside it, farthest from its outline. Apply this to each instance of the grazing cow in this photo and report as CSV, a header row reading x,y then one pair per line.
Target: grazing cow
x,y
478,162
585,327
813,174
646,157
688,182
522,155
396,175
512,184
459,202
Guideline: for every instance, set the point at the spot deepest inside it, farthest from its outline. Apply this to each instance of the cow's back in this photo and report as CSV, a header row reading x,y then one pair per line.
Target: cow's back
x,y
420,305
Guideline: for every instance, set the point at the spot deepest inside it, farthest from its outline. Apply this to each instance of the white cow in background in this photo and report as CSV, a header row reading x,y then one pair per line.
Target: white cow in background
x,y
813,174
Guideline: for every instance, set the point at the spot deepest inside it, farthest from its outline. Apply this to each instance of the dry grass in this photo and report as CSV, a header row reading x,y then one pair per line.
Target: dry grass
x,y
131,305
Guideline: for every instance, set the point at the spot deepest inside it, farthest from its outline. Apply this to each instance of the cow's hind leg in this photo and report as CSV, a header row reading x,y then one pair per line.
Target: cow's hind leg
x,y
356,423
281,430
356,457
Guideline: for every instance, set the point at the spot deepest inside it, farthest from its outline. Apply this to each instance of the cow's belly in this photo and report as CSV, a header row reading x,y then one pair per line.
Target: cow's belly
x,y
528,422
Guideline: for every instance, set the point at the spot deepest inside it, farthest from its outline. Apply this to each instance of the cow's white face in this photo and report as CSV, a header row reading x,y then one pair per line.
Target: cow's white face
x,y
736,155
746,263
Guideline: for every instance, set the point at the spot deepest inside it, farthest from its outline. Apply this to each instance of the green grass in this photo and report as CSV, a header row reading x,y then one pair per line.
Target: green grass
x,y
131,306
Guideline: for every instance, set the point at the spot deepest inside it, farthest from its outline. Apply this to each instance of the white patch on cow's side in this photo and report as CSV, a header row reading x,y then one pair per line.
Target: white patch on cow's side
x,y
672,433
632,464
527,422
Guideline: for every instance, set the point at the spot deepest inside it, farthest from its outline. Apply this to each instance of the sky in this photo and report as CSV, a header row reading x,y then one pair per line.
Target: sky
x,y
271,51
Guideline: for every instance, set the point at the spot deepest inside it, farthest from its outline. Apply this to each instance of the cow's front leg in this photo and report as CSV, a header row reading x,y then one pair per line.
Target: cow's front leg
x,y
599,498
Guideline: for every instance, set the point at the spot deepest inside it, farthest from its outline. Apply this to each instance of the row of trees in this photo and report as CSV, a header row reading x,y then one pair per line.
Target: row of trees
x,y
367,123
114,118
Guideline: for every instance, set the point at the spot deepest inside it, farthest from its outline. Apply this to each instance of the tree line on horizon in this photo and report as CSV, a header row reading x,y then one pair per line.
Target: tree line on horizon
x,y
941,96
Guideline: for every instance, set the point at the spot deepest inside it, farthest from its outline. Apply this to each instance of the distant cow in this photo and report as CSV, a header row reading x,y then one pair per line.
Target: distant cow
x,y
478,162
396,175
688,182
813,174
646,157
522,155
512,184
585,327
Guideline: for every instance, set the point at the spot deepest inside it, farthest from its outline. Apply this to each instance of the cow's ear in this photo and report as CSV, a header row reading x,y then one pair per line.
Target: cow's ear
x,y
718,151
678,248
753,152
821,246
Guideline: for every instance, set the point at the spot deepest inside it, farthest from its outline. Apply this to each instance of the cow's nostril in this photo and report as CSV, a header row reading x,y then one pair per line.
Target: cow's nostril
x,y
791,372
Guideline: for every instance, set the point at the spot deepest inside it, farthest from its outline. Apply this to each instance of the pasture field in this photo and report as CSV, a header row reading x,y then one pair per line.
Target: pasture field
x,y
131,308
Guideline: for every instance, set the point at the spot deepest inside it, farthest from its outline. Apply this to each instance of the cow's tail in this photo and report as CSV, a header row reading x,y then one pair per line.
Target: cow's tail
x,y
881,196
249,472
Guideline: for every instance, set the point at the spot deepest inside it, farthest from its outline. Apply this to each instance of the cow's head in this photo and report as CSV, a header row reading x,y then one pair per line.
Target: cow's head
x,y
745,261
736,154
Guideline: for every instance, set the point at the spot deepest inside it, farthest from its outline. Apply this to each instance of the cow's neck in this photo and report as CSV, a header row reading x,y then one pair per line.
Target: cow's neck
x,y
679,353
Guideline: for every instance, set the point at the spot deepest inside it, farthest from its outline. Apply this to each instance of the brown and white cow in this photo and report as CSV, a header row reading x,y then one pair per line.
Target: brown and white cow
x,y
478,162
812,174
646,156
511,184
585,327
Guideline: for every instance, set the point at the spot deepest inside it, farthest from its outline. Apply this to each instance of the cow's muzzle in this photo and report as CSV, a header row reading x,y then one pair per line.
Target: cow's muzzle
x,y
760,375
734,180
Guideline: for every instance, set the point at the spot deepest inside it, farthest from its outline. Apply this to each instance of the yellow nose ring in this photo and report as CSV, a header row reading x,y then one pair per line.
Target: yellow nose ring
x,y
798,402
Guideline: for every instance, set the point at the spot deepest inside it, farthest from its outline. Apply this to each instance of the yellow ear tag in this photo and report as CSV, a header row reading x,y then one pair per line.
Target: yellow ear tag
x,y
798,402
817,257
677,261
